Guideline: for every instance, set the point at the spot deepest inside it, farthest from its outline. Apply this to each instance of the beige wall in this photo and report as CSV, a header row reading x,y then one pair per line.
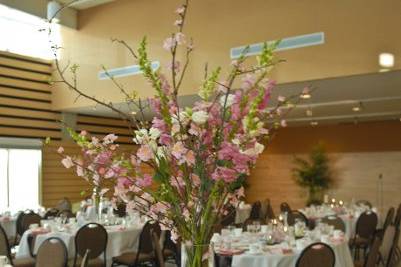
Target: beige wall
x,y
356,32
358,154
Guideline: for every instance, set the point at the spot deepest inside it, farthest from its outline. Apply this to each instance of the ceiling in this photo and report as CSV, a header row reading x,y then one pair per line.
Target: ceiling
x,y
377,94
84,4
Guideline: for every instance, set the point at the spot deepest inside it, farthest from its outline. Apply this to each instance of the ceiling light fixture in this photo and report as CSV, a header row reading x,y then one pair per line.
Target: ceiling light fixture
x,y
358,107
314,123
386,60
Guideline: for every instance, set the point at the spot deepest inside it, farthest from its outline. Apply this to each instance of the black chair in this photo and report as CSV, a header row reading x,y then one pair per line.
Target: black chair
x,y
284,207
171,250
5,250
159,258
18,224
269,211
92,237
364,233
255,211
387,245
52,253
317,255
51,213
28,220
373,256
294,216
145,252
335,221
120,210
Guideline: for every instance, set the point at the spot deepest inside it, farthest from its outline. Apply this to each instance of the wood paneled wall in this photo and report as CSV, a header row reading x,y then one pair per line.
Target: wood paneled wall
x,y
25,98
358,154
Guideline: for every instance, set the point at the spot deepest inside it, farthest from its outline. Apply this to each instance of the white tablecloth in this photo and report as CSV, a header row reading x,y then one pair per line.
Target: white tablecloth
x,y
9,225
119,241
342,253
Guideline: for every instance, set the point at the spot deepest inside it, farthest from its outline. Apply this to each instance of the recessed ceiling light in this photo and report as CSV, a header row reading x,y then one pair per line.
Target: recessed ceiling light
x,y
357,107
314,123
309,112
386,60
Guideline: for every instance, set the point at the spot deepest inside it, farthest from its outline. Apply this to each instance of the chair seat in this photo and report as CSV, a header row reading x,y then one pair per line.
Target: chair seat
x,y
129,258
98,262
168,253
24,262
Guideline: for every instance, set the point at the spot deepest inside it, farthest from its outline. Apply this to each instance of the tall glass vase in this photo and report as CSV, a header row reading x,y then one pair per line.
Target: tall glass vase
x,y
96,202
197,255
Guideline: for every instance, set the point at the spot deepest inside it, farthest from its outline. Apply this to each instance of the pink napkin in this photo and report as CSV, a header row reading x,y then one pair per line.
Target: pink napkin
x,y
40,231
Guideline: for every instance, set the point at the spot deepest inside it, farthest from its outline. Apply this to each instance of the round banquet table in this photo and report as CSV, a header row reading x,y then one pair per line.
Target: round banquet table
x,y
275,258
120,240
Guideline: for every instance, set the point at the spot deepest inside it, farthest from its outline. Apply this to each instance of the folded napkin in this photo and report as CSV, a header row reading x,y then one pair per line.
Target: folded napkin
x,y
229,252
39,231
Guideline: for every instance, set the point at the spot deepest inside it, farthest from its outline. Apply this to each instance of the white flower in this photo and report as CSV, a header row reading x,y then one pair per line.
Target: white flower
x,y
230,100
200,117
141,136
256,150
154,133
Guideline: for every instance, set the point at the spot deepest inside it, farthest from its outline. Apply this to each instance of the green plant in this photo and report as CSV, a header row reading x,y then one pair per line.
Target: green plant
x,y
314,174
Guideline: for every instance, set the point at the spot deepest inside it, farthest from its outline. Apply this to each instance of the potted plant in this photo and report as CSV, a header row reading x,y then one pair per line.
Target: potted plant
x,y
314,174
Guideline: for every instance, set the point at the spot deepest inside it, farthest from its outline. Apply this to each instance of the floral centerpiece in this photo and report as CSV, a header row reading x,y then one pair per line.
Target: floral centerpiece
x,y
196,154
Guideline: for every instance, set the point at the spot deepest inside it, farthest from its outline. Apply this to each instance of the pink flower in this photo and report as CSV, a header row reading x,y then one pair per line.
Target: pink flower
x,y
178,22
60,150
195,180
103,158
248,81
165,139
169,43
83,133
190,157
145,181
180,10
145,153
67,162
225,174
178,150
175,66
180,38
80,171
159,124
110,138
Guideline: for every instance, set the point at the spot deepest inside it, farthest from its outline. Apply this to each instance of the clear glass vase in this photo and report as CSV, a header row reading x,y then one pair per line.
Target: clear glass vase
x,y
197,255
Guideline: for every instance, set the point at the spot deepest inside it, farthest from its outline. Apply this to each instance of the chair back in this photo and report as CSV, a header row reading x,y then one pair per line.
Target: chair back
x,y
51,213
52,253
91,237
373,255
364,203
269,211
120,210
387,242
18,222
389,218
294,216
335,221
229,218
66,214
29,219
255,211
4,245
158,251
317,255
145,239
366,225
284,207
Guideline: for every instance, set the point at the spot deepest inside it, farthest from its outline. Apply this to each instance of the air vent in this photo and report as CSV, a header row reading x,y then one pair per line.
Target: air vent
x,y
125,71
285,44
